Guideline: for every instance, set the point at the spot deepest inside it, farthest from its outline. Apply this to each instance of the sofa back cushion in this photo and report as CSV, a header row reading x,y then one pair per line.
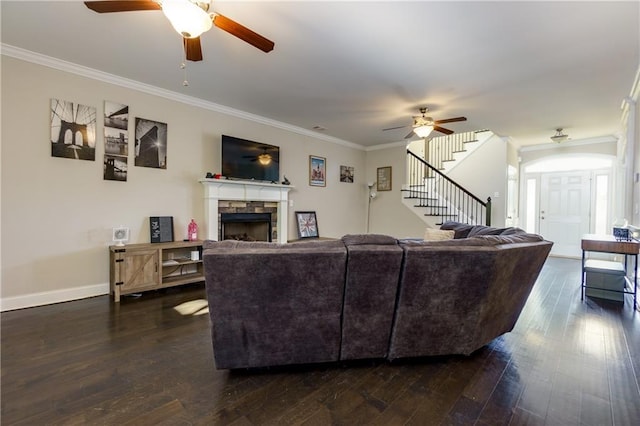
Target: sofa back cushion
x,y
275,304
373,270
368,239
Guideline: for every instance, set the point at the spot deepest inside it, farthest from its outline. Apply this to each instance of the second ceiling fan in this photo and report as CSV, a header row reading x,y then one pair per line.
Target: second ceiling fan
x,y
423,125
189,18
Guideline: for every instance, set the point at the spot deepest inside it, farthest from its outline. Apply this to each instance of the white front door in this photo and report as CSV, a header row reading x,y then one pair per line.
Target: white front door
x,y
565,200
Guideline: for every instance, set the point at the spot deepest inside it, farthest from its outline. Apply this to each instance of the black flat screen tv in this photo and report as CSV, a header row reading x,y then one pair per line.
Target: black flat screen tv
x,y
245,159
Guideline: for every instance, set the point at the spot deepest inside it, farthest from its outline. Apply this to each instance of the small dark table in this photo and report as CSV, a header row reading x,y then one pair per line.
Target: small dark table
x,y
609,244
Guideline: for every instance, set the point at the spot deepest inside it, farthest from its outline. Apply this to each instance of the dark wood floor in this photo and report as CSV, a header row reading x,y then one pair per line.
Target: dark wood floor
x,y
149,361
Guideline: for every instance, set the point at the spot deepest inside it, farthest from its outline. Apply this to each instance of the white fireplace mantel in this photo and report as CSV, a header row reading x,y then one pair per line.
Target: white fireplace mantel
x,y
240,190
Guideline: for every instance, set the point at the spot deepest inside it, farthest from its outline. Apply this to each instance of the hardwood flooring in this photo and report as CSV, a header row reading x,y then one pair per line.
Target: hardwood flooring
x,y
149,361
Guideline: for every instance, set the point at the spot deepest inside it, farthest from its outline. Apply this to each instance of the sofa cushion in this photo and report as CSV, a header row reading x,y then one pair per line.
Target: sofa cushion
x,y
366,239
371,283
461,229
485,230
431,234
509,239
275,304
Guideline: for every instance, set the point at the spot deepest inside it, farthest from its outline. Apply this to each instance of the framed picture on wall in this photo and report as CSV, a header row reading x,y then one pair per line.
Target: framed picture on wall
x,y
384,178
346,174
307,225
317,171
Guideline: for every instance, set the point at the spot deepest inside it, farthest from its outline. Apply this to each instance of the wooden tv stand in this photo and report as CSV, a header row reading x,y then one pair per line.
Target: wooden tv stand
x,y
135,268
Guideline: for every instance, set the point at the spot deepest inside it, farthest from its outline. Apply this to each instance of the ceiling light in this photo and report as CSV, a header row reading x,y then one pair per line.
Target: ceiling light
x,y
423,125
423,131
559,136
188,19
264,159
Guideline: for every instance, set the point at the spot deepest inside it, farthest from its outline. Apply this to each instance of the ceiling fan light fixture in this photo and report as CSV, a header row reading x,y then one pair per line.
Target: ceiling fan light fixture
x,y
559,136
187,18
264,159
423,131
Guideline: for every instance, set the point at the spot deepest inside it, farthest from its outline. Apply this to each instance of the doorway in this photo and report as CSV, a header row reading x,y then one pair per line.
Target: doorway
x,y
566,197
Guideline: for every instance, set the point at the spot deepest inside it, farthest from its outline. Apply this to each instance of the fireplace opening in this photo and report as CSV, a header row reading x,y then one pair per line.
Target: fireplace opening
x,y
245,226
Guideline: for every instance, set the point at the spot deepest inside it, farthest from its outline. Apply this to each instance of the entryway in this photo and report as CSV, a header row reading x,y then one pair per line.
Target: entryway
x,y
566,197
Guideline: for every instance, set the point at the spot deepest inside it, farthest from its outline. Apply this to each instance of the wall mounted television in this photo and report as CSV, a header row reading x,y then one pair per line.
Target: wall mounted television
x,y
245,159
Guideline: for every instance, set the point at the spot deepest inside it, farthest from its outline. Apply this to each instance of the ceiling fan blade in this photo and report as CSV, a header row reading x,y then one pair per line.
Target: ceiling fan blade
x,y
394,128
122,5
243,33
410,135
450,120
192,49
442,130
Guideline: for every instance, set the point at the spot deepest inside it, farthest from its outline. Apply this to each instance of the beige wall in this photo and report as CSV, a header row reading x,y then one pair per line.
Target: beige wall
x,y
388,214
57,214
484,174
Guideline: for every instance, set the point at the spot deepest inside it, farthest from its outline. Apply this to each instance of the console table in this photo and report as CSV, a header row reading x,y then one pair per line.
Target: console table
x,y
609,244
135,268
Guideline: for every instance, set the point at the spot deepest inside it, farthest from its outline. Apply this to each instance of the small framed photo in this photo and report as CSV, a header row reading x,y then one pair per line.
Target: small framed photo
x,y
307,225
346,174
317,171
161,228
384,178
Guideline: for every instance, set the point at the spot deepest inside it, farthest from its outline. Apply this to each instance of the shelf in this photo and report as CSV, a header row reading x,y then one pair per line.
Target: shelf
x,y
168,263
183,279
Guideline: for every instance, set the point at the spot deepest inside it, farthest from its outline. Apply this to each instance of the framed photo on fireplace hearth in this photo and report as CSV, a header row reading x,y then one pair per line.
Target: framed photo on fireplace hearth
x,y
307,224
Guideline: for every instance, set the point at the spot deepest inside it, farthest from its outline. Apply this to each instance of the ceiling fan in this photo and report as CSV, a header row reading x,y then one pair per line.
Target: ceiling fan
x,y
423,125
190,19
263,158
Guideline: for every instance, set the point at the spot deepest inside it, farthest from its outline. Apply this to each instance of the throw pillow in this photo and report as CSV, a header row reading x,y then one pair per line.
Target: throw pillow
x,y
438,234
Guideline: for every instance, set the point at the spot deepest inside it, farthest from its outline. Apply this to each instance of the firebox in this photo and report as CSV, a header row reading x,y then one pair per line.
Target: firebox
x,y
245,226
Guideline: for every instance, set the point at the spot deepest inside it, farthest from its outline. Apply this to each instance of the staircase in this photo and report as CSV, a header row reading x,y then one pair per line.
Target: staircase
x,y
434,196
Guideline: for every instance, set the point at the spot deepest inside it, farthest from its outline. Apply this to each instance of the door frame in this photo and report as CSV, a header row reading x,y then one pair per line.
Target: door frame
x,y
526,175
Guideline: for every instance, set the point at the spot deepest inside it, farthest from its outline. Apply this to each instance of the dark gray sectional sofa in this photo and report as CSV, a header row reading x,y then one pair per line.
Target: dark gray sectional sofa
x,y
367,296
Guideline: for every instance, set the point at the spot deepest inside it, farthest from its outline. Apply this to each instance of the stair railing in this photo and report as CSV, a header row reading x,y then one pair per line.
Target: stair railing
x,y
442,197
441,149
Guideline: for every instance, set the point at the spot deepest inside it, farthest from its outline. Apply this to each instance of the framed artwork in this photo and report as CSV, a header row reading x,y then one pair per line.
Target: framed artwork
x,y
384,178
73,130
151,144
307,224
317,171
346,174
161,229
116,141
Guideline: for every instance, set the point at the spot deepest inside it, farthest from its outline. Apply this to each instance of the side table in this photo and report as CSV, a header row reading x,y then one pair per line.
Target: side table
x,y
609,244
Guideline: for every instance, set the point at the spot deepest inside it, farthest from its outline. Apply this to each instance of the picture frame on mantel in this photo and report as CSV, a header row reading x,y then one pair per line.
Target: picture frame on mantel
x,y
384,178
317,171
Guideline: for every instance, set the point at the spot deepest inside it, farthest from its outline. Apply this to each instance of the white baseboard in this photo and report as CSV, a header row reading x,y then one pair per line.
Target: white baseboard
x,y
49,297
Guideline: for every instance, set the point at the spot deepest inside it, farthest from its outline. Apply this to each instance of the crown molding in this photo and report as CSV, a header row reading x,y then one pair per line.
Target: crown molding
x,y
70,67
386,146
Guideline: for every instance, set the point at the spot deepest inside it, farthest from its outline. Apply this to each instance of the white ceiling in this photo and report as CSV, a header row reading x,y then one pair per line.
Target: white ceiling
x,y
520,69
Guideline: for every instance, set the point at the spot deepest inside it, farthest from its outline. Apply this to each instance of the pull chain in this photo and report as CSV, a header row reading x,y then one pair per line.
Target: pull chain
x,y
183,64
183,67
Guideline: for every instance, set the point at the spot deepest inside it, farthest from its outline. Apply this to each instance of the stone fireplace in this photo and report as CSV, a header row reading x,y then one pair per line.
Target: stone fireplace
x,y
247,226
244,198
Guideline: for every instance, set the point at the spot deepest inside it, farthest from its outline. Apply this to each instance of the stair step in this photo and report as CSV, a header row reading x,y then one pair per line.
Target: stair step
x,y
422,195
432,207
442,215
